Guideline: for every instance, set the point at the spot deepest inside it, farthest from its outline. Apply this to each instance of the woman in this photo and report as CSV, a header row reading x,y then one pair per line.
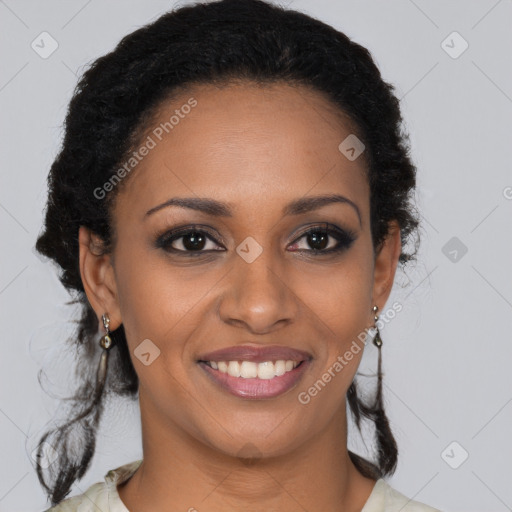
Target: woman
x,y
230,205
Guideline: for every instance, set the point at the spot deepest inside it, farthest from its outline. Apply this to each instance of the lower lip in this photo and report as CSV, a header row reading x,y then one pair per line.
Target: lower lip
x,y
256,388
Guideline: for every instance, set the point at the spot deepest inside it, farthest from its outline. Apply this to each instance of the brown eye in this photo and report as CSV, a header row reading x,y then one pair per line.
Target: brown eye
x,y
194,241
317,238
188,241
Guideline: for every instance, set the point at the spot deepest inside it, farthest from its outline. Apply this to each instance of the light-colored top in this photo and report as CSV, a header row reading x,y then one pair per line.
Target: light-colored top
x,y
104,496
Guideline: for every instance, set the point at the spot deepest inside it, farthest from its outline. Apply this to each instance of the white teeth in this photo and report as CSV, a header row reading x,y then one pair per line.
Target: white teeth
x,y
266,370
234,368
249,370
280,367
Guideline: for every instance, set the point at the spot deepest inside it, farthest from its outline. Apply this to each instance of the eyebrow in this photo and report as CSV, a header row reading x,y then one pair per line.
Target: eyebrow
x,y
217,209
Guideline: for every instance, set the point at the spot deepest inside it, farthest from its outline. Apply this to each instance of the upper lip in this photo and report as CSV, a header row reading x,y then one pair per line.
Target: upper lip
x,y
256,354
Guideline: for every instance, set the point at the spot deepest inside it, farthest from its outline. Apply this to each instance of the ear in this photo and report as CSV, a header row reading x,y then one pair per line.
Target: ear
x,y
98,277
386,261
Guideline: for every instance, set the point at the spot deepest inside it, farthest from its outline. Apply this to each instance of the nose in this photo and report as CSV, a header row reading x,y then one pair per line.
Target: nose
x,y
258,296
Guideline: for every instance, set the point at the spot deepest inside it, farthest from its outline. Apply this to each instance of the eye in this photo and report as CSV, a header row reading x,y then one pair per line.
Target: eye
x,y
318,238
194,241
189,240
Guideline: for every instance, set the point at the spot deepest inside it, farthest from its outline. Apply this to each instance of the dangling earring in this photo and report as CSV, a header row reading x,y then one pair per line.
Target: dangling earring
x,y
105,342
387,448
377,341
386,445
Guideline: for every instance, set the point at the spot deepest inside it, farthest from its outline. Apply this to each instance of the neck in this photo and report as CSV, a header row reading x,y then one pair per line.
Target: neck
x,y
179,472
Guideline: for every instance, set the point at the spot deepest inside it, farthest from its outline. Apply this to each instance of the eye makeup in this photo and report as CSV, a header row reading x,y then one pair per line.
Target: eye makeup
x,y
191,240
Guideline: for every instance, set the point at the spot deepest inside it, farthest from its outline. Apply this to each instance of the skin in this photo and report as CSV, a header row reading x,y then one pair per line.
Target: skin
x,y
256,148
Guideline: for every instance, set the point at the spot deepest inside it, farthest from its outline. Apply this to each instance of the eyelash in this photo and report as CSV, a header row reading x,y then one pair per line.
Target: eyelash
x,y
344,238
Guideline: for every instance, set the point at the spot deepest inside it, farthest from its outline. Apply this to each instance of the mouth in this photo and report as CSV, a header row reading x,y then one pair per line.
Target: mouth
x,y
255,373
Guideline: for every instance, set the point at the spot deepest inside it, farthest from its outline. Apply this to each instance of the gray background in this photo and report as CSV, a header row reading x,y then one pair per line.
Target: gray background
x,y
446,355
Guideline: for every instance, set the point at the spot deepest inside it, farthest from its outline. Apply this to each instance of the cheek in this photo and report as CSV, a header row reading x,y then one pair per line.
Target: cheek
x,y
156,304
162,302
151,291
339,307
340,293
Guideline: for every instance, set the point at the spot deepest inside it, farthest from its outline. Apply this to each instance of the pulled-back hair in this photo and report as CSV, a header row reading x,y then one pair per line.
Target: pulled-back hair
x,y
216,42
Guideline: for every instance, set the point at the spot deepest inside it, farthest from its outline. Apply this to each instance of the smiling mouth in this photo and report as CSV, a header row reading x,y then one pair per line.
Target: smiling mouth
x,y
255,380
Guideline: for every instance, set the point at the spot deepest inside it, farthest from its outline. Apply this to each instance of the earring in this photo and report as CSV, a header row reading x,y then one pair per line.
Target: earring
x,y
385,440
377,340
106,343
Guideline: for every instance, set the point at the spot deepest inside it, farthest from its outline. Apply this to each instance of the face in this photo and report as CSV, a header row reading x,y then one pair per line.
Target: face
x,y
255,264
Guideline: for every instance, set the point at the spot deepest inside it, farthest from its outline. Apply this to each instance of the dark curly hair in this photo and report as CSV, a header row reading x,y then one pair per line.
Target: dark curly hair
x,y
212,43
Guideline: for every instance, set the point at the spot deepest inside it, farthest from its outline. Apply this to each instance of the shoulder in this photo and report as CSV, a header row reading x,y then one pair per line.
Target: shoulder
x,y
93,499
101,496
385,498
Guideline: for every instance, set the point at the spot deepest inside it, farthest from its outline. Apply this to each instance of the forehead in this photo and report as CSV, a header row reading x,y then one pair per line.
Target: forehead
x,y
245,144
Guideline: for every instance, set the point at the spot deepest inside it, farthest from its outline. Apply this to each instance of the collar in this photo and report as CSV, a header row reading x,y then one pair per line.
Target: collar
x,y
115,477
